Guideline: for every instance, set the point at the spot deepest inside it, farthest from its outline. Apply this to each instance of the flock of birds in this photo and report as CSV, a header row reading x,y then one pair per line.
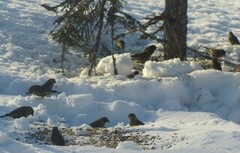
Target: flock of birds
x,y
56,137
138,57
45,89
218,53
214,53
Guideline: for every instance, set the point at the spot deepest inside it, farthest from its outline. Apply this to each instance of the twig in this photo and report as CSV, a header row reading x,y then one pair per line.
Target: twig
x,y
202,54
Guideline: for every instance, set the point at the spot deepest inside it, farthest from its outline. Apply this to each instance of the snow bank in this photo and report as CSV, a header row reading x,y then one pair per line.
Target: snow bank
x,y
128,145
9,145
169,68
22,124
124,64
172,97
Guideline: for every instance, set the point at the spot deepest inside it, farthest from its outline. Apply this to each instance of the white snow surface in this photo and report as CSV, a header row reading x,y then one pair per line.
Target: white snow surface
x,y
169,68
190,109
124,64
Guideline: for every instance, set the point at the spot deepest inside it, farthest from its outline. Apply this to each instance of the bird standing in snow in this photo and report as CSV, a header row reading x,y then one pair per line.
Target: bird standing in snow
x,y
145,55
56,137
133,120
23,111
100,123
216,64
233,39
132,75
43,90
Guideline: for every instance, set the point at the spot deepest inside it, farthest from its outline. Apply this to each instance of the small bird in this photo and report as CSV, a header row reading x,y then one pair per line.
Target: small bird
x,y
233,39
43,90
56,137
216,64
49,84
120,43
216,53
99,123
132,75
145,55
133,120
23,111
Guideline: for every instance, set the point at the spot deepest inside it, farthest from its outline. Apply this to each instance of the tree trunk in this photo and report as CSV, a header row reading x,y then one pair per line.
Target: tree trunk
x,y
175,29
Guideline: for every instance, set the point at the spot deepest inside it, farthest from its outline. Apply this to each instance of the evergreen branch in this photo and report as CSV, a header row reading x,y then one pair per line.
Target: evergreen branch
x,y
205,55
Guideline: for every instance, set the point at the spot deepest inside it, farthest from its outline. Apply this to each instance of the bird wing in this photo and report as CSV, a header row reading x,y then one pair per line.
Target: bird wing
x,y
236,39
93,124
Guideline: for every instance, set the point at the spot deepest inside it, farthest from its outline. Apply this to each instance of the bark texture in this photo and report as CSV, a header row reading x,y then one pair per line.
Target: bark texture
x,y
175,27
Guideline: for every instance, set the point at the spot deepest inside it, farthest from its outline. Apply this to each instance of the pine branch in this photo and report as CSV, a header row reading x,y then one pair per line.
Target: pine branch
x,y
202,54
207,56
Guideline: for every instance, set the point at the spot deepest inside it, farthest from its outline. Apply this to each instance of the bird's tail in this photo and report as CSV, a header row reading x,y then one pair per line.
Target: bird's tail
x,y
54,91
49,91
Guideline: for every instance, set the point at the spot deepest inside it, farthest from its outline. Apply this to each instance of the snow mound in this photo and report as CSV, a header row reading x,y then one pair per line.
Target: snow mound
x,y
129,145
169,68
9,145
124,64
22,123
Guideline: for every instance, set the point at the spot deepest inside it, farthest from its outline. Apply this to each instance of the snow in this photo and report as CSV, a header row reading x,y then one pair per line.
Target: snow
x,y
124,64
169,68
22,124
9,145
184,107
129,145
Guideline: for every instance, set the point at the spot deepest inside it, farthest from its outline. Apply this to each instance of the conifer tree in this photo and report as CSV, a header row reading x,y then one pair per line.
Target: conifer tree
x,y
83,23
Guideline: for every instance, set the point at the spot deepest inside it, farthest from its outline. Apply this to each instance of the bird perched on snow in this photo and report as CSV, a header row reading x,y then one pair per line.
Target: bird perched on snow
x,y
132,75
233,39
43,90
56,137
216,53
216,64
23,111
145,55
99,123
133,120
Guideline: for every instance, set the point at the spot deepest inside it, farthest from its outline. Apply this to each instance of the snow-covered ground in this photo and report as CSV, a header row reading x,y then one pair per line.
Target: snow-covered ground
x,y
185,109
